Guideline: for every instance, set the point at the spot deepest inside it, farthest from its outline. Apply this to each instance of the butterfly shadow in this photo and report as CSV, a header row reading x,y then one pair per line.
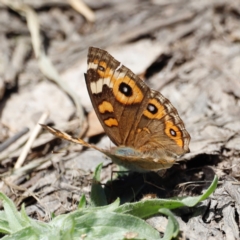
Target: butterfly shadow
x,y
131,187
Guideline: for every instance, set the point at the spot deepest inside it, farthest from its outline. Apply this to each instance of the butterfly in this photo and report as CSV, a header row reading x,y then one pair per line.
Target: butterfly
x,y
145,127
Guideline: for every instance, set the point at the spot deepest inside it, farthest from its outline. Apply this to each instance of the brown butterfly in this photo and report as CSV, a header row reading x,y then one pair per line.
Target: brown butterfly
x,y
144,125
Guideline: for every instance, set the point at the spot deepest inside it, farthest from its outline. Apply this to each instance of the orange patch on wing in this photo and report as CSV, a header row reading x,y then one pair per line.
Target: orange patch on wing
x,y
137,95
169,126
103,64
105,107
103,70
110,122
160,110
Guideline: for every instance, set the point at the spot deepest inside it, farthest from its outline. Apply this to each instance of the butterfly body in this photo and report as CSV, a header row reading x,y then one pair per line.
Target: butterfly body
x,y
135,160
141,122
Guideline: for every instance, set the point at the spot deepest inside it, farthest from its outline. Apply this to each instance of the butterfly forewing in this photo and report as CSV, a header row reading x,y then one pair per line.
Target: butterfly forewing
x,y
117,95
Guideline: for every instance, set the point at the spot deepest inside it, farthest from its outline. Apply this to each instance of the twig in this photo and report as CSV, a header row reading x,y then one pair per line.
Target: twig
x,y
29,143
13,139
81,7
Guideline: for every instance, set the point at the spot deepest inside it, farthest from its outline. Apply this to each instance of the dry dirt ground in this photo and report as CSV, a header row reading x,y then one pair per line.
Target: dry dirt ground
x,y
188,50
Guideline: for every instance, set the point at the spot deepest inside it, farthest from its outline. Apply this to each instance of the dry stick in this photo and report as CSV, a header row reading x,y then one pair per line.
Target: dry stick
x,y
13,139
29,143
81,7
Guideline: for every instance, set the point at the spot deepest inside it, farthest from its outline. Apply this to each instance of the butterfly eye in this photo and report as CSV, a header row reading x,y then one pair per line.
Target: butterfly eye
x,y
101,68
172,132
152,108
125,89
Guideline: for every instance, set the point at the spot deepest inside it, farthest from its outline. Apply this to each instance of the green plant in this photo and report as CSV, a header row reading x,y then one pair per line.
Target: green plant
x,y
97,221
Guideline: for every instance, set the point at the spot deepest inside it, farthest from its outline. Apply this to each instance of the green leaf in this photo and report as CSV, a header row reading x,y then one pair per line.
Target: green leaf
x,y
4,226
172,228
147,208
82,202
13,217
24,215
24,234
112,226
98,197
67,229
105,209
